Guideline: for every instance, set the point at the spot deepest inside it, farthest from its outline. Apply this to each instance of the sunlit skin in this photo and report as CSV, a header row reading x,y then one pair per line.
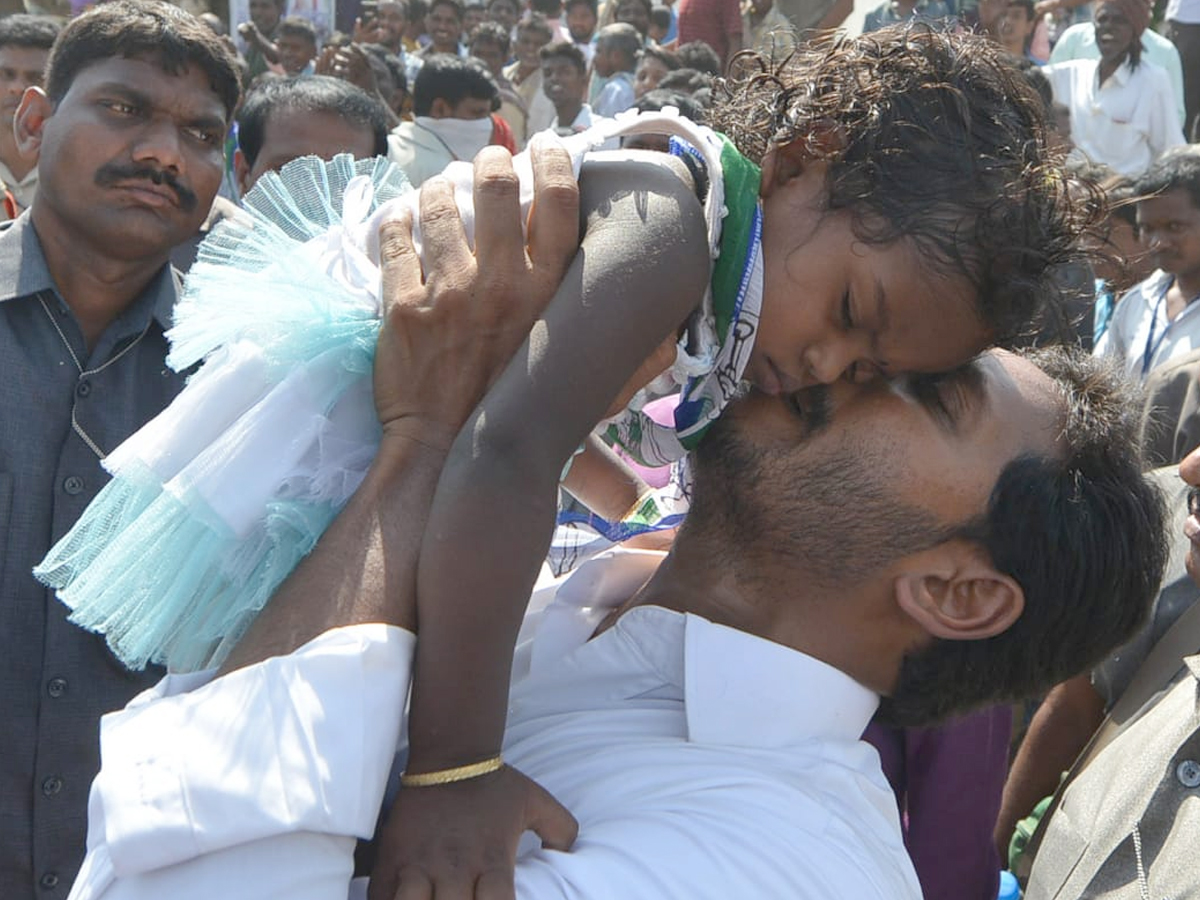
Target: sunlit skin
x,y
581,22
938,446
295,52
649,73
1114,37
265,14
1015,28
391,22
20,68
565,85
506,12
635,13
444,28
835,306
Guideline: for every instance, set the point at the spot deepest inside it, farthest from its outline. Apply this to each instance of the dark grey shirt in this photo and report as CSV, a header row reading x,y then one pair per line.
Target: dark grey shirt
x,y
55,679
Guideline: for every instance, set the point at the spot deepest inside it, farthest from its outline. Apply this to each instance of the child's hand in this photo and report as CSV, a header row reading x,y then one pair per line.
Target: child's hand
x,y
459,841
448,332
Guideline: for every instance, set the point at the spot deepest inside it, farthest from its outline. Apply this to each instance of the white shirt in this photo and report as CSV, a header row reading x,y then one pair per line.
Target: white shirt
x,y
1140,332
1127,122
22,189
1186,12
700,761
1079,42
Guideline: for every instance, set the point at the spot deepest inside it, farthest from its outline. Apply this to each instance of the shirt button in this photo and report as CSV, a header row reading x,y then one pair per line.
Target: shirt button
x,y
49,881
56,687
83,388
73,485
52,785
1188,773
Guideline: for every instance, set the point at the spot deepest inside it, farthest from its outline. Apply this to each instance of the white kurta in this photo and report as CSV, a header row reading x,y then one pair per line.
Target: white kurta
x,y
700,762
1141,335
1126,123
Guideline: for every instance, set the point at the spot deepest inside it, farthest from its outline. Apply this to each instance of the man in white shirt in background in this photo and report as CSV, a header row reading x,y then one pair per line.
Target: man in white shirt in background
x,y
1123,110
1158,320
565,82
1079,42
1183,28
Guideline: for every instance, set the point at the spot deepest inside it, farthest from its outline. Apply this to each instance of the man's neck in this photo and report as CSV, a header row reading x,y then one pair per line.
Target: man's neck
x,y
96,287
1184,291
1108,67
568,112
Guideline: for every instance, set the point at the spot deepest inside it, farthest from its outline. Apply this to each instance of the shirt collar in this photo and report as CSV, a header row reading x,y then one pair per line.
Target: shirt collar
x,y
738,689
23,271
13,181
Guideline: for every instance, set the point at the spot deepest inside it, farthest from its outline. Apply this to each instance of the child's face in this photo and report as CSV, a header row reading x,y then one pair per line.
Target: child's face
x,y
1170,229
835,306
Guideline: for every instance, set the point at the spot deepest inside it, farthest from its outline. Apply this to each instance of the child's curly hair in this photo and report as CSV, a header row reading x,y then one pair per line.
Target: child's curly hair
x,y
933,137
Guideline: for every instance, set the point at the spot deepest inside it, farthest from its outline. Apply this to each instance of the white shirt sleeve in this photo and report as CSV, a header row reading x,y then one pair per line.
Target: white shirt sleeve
x,y
1163,129
190,802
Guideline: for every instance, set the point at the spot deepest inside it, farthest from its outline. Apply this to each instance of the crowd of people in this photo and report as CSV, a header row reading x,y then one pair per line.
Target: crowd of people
x,y
775,438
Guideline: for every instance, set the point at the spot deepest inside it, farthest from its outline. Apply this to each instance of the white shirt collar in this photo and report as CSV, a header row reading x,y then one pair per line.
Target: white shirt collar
x,y
720,673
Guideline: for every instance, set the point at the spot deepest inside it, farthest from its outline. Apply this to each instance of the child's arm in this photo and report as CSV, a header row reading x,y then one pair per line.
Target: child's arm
x,y
603,482
642,268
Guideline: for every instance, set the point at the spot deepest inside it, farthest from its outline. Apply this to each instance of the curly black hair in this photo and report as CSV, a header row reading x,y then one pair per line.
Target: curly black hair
x,y
932,137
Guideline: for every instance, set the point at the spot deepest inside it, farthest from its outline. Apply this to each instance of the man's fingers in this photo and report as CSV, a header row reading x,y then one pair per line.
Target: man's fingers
x,y
414,885
446,251
550,820
496,885
499,238
554,219
399,264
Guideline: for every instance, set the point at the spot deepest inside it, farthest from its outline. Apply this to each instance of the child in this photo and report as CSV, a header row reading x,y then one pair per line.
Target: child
x,y
1158,320
894,214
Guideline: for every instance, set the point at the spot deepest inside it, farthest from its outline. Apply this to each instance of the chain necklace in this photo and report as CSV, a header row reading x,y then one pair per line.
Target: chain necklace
x,y
75,426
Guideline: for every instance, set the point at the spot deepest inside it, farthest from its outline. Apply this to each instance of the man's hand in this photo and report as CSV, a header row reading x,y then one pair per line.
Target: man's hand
x,y
459,841
449,332
349,63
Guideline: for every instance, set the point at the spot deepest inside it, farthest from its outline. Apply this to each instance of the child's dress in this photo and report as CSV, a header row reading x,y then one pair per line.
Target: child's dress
x,y
215,501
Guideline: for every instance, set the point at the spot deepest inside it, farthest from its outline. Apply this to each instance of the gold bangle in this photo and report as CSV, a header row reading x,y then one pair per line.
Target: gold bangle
x,y
449,776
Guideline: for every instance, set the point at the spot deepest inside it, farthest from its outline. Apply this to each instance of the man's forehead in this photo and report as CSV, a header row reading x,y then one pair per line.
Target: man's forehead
x,y
183,85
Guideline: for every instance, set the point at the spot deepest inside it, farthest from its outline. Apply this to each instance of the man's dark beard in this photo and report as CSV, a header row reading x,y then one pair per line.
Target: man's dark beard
x,y
114,173
827,518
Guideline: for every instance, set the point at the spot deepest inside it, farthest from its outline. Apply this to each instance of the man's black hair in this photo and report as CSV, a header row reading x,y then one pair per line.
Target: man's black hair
x,y
660,16
623,38
142,29
33,32
297,26
551,9
457,5
1084,535
1177,169
653,101
593,5
666,57
492,33
452,79
701,57
686,81
306,96
536,22
565,50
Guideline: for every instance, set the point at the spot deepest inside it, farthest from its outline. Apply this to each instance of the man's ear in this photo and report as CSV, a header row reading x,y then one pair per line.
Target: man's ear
x,y
32,114
783,162
241,171
954,592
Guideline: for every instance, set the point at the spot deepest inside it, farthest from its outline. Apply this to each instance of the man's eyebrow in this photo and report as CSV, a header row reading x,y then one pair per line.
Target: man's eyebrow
x,y
141,98
950,397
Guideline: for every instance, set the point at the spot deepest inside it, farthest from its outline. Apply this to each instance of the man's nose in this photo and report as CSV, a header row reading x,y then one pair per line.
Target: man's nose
x,y
160,142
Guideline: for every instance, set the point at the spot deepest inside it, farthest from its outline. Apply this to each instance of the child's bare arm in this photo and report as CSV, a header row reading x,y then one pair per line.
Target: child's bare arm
x,y
642,269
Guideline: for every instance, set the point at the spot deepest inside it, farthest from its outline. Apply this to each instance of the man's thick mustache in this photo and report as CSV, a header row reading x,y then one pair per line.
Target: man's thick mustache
x,y
113,174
